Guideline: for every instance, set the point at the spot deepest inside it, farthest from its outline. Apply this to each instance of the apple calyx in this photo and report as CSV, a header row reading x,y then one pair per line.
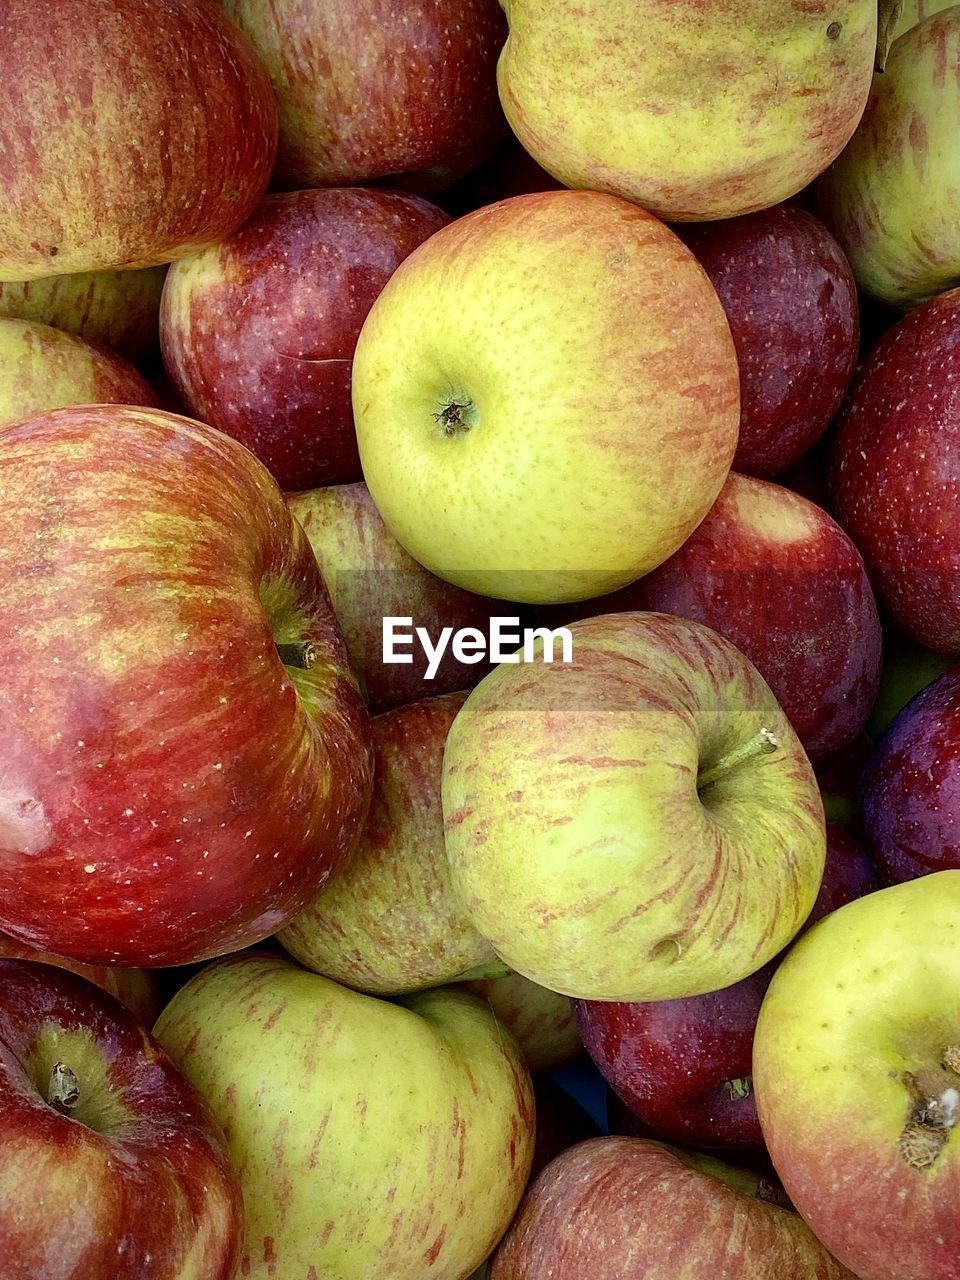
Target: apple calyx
x,y
887,18
63,1089
934,1112
762,743
456,416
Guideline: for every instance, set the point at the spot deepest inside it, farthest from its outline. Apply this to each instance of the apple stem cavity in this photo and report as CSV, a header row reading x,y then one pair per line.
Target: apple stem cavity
x,y
762,743
63,1089
934,1113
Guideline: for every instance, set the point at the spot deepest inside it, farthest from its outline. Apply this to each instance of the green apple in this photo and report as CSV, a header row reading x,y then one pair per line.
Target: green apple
x,y
856,1073
372,1139
907,668
907,13
891,197
694,110
639,824
546,396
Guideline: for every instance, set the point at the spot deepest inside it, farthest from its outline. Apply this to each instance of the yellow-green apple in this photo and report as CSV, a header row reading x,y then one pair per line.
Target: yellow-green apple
x,y
896,471
258,331
573,418
857,1075
370,577
43,368
389,922
641,823
371,1138
907,668
184,753
615,1207
890,198
370,90
134,131
720,109
111,1163
791,301
116,309
910,12
541,1021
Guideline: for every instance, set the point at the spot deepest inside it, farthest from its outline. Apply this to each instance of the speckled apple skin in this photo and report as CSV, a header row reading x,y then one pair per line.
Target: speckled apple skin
x,y
615,1207
258,332
791,301
541,1021
910,801
578,841
891,198
371,1138
604,389
368,89
43,368
895,471
868,995
147,128
745,102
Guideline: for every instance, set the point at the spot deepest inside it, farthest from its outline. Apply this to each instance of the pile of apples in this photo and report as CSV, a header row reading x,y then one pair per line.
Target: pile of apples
x,y
626,321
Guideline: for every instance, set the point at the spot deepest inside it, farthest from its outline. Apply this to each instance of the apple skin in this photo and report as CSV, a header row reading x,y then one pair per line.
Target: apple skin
x,y
137,1169
683,1066
370,577
258,331
304,1075
186,790
115,309
147,129
896,471
368,90
541,1021
539,294
914,11
890,198
42,368
910,800
579,842
852,1034
907,668
791,301
743,105
615,1207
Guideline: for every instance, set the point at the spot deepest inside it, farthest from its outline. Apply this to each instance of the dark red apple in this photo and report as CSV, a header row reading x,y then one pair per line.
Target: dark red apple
x,y
896,471
791,301
111,1163
258,332
184,754
683,1066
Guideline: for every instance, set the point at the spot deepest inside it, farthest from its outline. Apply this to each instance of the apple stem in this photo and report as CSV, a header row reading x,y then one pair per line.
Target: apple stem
x,y
887,18
63,1089
742,1087
762,743
300,656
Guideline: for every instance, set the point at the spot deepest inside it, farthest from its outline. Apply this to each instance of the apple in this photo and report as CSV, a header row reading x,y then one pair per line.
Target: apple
x,y
112,1164
258,331
694,111
541,1021
683,1066
372,90
572,419
913,11
896,471
141,132
791,301
371,1138
115,309
184,754
910,801
389,922
638,824
370,577
43,368
907,668
857,1075
890,198
615,1207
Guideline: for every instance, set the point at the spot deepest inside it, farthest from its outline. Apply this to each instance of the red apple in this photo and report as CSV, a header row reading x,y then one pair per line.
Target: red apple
x,y
896,471
370,89
612,1208
184,755
258,332
791,300
111,1163
134,131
